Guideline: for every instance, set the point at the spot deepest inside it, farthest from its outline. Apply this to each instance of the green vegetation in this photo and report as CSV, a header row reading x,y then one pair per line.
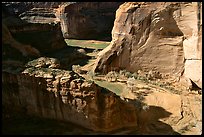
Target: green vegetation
x,y
114,87
112,76
87,43
123,74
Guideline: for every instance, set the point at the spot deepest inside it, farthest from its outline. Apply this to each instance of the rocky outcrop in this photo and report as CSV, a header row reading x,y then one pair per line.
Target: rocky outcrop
x,y
25,50
87,20
23,42
64,95
190,23
79,20
34,12
17,8
44,62
39,15
43,37
155,36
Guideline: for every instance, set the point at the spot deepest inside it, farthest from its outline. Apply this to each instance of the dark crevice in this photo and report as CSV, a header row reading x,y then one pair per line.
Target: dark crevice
x,y
194,86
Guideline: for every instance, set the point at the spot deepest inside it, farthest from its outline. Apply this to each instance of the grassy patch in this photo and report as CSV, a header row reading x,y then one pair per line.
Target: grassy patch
x,y
114,87
87,43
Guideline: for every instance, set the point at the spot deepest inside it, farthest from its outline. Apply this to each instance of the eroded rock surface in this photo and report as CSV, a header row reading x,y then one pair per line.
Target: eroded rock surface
x,y
64,95
79,20
34,12
155,36
87,20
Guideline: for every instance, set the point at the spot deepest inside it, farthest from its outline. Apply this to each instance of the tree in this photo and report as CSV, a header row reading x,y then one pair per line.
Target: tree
x,y
131,83
112,76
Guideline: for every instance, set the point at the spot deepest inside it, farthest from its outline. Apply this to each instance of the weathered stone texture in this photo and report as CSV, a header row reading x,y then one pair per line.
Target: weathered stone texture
x,y
159,36
67,97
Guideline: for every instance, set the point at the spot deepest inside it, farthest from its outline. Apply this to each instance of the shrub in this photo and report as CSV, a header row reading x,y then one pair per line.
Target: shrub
x,y
131,83
135,75
128,74
76,68
112,76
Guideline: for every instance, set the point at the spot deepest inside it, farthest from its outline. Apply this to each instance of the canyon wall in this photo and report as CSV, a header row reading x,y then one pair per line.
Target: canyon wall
x,y
79,20
190,23
66,97
23,41
87,20
36,89
158,36
43,37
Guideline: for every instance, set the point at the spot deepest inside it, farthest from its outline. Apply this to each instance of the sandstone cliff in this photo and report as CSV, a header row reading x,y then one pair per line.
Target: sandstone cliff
x,y
161,36
23,41
43,37
79,20
45,91
87,20
64,95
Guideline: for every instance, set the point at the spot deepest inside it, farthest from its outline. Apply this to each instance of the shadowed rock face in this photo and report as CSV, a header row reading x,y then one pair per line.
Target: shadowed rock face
x,y
33,12
17,8
23,41
43,37
87,20
79,20
154,36
64,95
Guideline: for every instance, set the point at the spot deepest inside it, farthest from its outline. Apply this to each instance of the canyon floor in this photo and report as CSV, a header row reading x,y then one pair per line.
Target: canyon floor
x,y
167,112
183,109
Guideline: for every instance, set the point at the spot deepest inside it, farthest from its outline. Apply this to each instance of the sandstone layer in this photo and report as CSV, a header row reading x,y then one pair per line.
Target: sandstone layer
x,y
23,42
161,36
87,20
43,37
79,20
64,95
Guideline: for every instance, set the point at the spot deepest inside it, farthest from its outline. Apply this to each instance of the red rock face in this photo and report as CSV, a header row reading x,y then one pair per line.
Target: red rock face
x,y
67,97
150,36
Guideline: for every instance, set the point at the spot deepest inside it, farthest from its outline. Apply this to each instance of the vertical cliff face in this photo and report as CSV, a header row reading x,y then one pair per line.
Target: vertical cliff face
x,y
33,12
153,36
79,20
23,40
189,20
68,97
44,37
87,20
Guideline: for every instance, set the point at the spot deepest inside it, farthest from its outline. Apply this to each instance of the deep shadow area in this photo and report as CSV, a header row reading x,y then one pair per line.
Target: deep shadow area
x,y
69,56
194,86
149,120
17,123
